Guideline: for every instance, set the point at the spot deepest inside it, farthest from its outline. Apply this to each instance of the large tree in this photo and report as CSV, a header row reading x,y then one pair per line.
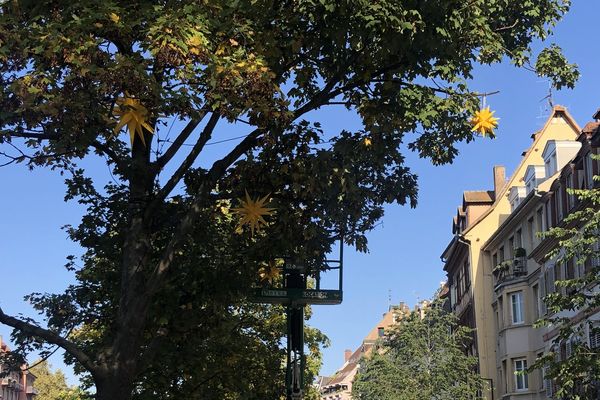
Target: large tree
x,y
422,358
177,75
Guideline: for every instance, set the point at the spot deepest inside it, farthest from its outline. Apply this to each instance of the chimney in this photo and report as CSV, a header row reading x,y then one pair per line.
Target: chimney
x,y
347,354
499,180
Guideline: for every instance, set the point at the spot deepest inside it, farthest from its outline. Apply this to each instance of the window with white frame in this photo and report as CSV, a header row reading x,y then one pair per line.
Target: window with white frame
x,y
539,220
516,300
521,381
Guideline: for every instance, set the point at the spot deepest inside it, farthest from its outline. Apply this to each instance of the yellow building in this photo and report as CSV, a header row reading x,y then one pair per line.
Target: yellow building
x,y
470,266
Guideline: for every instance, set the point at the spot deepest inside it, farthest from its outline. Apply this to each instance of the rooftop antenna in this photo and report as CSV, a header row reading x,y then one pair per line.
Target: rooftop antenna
x,y
546,108
389,299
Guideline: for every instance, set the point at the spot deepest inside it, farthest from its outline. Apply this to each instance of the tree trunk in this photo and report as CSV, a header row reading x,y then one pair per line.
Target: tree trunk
x,y
116,387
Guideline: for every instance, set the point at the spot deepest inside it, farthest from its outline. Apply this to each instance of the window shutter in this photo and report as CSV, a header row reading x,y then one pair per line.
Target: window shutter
x,y
594,337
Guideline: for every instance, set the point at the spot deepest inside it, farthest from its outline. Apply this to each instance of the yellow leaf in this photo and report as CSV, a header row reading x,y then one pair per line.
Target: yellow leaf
x,y
114,17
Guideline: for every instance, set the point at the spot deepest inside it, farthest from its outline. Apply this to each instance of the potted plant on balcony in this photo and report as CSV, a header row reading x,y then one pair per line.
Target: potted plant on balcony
x,y
520,261
501,268
520,252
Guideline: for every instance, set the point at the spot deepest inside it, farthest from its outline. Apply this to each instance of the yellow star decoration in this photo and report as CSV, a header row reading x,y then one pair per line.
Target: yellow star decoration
x,y
133,114
367,142
252,212
270,272
484,122
114,17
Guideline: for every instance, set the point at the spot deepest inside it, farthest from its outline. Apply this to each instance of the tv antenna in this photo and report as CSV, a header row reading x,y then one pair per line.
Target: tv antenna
x,y
546,108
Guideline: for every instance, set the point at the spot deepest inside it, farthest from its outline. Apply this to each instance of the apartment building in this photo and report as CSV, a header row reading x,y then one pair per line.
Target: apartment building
x,y
483,285
15,385
339,386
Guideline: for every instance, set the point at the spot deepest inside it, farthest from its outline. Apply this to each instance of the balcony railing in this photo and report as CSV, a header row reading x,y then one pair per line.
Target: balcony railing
x,y
510,269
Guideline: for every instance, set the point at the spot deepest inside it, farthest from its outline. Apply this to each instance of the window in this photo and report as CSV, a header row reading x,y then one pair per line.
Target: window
x,y
542,374
518,239
570,270
467,275
531,233
516,300
380,331
550,280
504,373
557,276
594,337
589,172
559,202
536,302
501,254
570,196
494,260
521,381
500,314
539,220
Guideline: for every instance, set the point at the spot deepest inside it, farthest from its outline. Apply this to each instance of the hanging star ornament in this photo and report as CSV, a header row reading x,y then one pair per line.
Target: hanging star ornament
x,y
269,273
252,212
484,122
133,114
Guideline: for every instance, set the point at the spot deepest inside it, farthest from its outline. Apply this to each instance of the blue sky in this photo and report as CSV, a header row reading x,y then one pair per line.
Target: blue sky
x,y
404,250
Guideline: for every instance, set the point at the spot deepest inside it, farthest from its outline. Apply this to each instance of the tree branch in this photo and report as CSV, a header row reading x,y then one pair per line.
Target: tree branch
x,y
177,143
185,165
110,153
214,174
50,337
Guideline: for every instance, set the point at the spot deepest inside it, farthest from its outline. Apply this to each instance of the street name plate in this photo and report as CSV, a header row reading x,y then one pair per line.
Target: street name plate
x,y
298,296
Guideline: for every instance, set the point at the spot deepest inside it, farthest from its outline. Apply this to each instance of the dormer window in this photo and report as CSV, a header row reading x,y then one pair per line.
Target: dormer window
x,y
558,153
516,194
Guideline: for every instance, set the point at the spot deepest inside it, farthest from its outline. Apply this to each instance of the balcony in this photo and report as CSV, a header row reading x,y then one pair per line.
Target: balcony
x,y
512,269
31,390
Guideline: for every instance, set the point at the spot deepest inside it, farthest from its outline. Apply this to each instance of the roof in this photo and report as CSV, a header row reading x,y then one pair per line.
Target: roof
x,y
590,127
478,196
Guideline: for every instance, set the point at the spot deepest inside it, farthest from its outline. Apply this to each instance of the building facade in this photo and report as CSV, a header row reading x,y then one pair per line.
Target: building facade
x,y
15,385
493,274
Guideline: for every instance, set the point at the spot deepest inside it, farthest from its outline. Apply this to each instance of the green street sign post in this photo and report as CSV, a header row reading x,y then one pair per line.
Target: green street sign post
x,y
295,294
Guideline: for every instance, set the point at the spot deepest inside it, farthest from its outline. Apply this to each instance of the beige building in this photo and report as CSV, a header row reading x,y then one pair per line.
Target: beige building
x,y
339,386
491,282
16,385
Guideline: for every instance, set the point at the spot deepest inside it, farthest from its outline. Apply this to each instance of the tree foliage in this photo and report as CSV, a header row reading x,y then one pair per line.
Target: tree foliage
x,y
52,385
165,267
421,359
575,375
